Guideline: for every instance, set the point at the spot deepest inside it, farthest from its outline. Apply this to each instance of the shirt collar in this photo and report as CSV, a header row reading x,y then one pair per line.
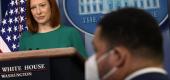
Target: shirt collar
x,y
146,70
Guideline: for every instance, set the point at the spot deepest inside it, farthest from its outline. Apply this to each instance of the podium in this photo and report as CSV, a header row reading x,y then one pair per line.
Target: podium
x,y
48,64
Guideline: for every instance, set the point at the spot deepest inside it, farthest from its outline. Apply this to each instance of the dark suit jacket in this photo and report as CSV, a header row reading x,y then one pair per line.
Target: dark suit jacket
x,y
152,76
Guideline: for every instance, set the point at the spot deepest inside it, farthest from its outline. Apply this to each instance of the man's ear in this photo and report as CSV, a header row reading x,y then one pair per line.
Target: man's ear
x,y
118,56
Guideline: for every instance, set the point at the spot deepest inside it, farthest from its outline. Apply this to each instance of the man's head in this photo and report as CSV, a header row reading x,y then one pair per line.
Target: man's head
x,y
131,39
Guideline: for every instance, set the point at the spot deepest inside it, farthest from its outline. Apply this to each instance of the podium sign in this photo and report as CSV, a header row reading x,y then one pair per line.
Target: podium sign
x,y
49,64
25,69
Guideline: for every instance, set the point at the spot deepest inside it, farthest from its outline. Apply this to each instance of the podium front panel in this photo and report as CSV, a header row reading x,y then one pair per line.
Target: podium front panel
x,y
25,69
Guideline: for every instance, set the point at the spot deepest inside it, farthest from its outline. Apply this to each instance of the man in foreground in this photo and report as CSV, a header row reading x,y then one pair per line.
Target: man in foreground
x,y
128,46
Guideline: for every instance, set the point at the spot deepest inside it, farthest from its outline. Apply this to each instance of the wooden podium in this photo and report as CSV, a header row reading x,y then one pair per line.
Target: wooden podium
x,y
49,64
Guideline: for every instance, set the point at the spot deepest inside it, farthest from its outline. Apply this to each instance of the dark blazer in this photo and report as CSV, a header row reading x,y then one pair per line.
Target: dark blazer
x,y
152,76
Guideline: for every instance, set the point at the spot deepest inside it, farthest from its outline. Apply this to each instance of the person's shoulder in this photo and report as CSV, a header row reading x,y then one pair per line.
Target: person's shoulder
x,y
69,28
26,34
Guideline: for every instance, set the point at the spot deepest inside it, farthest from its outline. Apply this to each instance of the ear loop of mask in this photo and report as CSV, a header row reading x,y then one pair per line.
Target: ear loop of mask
x,y
114,69
104,56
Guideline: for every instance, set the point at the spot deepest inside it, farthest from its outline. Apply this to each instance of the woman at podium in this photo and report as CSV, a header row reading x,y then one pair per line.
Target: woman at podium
x,y
45,30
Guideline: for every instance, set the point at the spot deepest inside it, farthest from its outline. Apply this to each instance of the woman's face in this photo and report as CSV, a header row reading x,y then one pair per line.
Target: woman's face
x,y
41,11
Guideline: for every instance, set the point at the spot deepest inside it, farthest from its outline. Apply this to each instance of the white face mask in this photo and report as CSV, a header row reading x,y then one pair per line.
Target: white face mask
x,y
91,69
